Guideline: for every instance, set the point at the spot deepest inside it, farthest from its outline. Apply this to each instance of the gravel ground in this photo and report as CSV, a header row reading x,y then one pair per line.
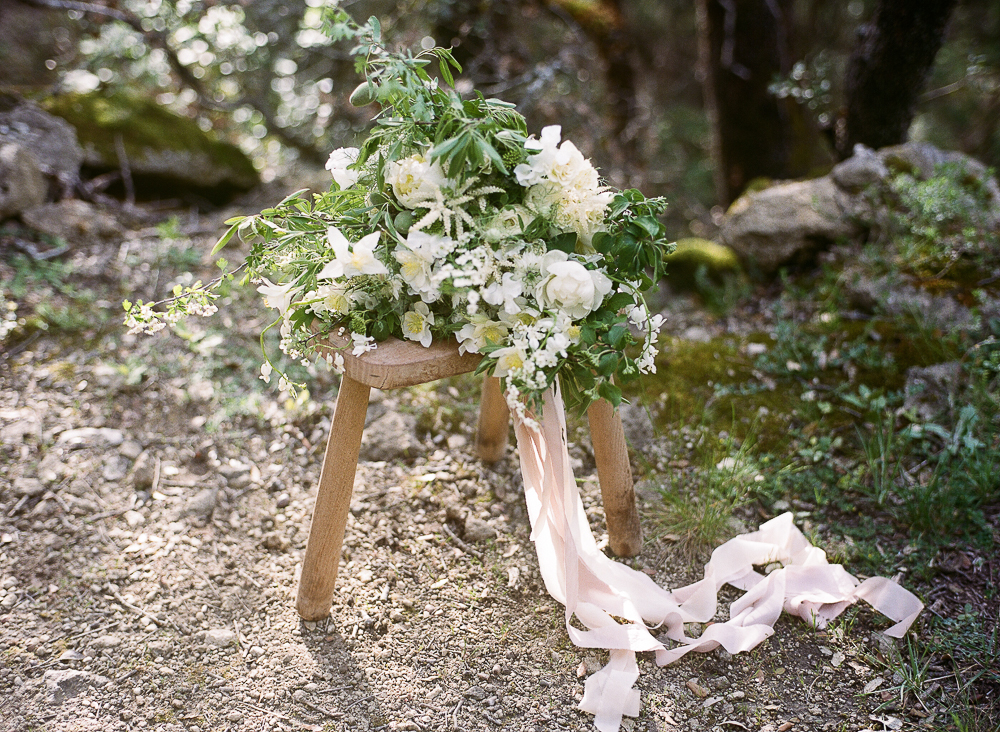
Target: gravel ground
x,y
149,551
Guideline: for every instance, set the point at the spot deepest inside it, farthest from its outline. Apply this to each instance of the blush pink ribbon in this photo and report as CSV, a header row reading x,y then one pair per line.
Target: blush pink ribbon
x,y
596,589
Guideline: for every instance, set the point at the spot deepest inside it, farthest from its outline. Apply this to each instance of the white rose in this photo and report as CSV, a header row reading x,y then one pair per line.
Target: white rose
x,y
337,165
414,181
572,288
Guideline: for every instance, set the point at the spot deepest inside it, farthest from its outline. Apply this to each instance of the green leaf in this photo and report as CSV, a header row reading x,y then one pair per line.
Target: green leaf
x,y
564,242
226,237
446,72
617,336
608,364
651,226
381,329
493,155
376,29
603,242
588,334
620,300
127,305
612,393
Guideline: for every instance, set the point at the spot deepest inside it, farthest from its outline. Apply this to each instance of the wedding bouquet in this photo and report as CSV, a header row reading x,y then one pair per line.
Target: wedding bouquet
x,y
450,222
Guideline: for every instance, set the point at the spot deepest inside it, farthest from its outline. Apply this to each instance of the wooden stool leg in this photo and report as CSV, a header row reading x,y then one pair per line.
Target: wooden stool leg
x,y
491,437
615,476
333,499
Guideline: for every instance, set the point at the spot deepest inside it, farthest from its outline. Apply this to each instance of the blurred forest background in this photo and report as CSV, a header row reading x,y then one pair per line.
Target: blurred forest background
x,y
637,84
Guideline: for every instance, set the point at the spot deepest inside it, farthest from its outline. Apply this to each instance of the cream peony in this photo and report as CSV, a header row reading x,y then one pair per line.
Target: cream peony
x,y
569,287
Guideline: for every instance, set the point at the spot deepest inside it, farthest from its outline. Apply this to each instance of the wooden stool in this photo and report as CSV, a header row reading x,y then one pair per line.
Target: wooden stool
x,y
398,363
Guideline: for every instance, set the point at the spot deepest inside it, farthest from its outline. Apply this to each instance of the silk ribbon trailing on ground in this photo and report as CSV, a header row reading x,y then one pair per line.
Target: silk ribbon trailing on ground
x,y
596,589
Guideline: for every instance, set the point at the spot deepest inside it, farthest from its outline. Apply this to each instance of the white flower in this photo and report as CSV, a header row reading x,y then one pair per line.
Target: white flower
x,y
338,164
415,181
505,293
417,324
362,344
570,287
352,259
416,256
638,315
414,269
277,296
480,331
562,164
538,166
335,299
265,372
509,359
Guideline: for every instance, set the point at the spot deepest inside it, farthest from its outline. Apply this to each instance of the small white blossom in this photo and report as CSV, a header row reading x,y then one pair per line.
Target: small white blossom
x,y
362,344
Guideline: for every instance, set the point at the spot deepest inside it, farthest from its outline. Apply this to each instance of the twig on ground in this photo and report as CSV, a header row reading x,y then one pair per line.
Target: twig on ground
x,y
321,710
359,701
461,544
139,611
280,716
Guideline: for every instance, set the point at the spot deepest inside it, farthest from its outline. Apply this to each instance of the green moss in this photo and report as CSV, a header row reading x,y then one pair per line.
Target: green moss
x,y
147,131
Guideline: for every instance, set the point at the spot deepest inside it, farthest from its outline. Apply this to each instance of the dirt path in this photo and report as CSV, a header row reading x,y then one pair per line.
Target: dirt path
x,y
148,563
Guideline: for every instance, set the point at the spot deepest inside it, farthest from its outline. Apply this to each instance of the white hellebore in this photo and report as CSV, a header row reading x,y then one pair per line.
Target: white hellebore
x,y
509,359
277,296
337,165
480,331
351,260
415,181
417,324
569,287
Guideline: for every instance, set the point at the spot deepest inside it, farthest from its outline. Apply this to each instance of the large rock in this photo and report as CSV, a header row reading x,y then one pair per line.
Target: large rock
x,y
51,140
73,220
22,185
788,222
893,295
168,155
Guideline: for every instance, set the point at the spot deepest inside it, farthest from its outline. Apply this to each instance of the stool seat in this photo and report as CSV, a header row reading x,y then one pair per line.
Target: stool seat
x,y
395,363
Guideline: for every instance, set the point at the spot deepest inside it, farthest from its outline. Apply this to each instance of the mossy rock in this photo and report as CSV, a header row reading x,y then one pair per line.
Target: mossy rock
x,y
169,155
693,254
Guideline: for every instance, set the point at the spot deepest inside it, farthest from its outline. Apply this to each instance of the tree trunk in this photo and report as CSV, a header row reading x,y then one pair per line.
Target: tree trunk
x,y
743,46
888,70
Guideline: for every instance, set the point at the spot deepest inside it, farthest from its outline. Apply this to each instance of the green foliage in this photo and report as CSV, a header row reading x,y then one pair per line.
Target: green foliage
x,y
941,226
